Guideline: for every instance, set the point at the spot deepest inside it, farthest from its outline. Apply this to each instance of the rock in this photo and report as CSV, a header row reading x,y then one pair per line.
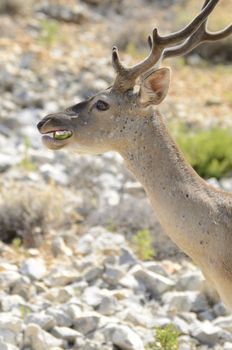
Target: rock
x,y
93,273
38,339
181,326
6,346
209,334
155,267
34,268
58,247
8,279
156,284
62,318
193,280
55,172
112,275
186,342
92,296
224,323
185,301
207,315
123,337
127,257
6,162
59,277
227,346
107,306
65,333
9,302
87,322
10,327
220,309
46,322
59,294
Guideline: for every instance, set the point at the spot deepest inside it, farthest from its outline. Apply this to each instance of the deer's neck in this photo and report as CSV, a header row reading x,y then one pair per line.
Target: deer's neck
x,y
178,195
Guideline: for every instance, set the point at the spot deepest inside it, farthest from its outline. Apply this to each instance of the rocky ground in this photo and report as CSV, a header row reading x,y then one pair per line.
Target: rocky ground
x,y
81,285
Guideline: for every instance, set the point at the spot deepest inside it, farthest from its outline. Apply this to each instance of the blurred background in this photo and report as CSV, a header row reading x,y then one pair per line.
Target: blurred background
x,y
55,53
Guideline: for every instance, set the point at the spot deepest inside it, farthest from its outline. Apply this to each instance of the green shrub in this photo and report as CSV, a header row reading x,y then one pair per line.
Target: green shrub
x,y
50,32
142,243
208,151
166,339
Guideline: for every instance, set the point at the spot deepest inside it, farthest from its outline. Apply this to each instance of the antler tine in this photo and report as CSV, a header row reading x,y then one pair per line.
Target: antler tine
x,y
199,36
126,77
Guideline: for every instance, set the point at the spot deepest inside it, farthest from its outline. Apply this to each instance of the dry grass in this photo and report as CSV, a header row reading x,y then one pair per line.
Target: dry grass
x,y
28,213
220,17
16,7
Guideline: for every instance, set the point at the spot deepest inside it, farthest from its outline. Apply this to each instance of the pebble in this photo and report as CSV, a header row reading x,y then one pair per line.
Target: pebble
x,y
34,268
156,284
123,337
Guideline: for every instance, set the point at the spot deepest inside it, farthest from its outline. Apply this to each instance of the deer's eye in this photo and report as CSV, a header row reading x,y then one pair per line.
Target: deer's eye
x,y
102,105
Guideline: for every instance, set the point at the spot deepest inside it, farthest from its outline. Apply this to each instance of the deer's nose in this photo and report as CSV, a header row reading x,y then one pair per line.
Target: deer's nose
x,y
43,121
40,124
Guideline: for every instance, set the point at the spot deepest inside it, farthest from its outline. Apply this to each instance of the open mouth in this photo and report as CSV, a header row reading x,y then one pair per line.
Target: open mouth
x,y
56,139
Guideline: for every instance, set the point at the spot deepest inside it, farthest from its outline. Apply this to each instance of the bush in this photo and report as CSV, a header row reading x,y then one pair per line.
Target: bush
x,y
15,7
166,339
26,213
208,151
142,243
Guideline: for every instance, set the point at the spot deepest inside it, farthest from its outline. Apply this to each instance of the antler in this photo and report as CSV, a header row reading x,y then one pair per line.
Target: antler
x,y
192,35
199,36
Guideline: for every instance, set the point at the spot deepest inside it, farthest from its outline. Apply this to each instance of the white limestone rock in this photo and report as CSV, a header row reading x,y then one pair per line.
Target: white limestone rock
x,y
123,337
156,284
38,339
34,268
185,301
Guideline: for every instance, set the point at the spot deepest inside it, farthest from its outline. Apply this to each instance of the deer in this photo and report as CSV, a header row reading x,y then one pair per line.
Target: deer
x,y
124,118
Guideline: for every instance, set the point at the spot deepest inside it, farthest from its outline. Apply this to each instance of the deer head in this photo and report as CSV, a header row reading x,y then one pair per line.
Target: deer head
x,y
111,118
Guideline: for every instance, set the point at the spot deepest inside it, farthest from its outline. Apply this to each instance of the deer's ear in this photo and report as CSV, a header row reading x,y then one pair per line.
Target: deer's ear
x,y
154,86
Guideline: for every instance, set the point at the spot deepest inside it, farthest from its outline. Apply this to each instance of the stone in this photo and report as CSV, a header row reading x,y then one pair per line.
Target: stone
x,y
112,275
185,301
59,277
181,326
93,273
6,346
123,337
156,284
62,318
59,294
192,280
8,279
7,161
127,257
8,302
155,267
58,247
92,296
107,306
38,339
209,334
224,322
34,268
65,333
10,327
46,322
220,309
87,322
54,172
